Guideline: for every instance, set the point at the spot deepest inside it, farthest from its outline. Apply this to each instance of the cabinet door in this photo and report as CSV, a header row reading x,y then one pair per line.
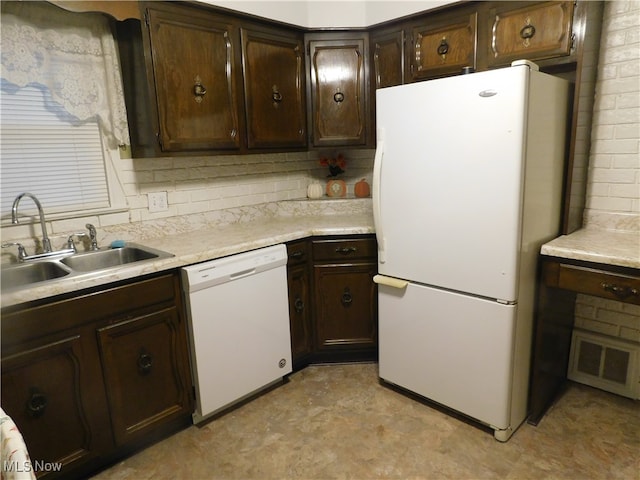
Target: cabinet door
x,y
346,306
145,368
195,75
339,90
388,58
536,31
274,88
299,313
444,46
48,392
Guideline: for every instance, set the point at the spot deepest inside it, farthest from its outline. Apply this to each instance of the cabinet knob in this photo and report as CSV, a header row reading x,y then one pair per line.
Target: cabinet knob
x,y
527,32
276,96
443,48
145,362
298,304
37,403
338,97
199,90
347,298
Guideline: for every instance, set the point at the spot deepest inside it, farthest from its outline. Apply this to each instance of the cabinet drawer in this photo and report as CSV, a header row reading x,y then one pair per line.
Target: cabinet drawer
x,y
297,253
600,283
537,31
444,47
344,250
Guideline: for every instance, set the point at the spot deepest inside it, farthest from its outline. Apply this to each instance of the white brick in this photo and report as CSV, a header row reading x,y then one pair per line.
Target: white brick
x,y
631,69
630,161
616,117
603,132
630,334
610,204
599,327
619,85
615,146
627,131
629,100
620,54
624,191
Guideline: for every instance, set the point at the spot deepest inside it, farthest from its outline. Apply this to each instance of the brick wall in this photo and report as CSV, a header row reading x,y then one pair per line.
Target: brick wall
x,y
613,188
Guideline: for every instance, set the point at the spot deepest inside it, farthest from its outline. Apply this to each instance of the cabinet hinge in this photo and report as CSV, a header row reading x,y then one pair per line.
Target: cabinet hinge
x,y
146,18
573,42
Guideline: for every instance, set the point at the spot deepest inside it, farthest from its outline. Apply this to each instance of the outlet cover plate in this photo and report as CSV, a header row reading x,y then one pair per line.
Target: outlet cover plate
x,y
158,202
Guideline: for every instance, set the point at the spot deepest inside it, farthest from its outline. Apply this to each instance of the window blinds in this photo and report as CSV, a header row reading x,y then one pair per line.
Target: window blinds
x,y
42,153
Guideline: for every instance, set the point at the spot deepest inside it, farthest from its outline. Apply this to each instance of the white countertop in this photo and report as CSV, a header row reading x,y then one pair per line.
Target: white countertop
x,y
599,246
206,244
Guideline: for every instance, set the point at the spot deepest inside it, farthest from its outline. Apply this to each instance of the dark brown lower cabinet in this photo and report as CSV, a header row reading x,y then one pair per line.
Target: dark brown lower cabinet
x,y
332,299
90,378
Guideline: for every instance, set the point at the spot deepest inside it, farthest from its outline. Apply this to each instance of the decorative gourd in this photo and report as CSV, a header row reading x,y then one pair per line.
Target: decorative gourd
x,y
314,190
362,189
336,188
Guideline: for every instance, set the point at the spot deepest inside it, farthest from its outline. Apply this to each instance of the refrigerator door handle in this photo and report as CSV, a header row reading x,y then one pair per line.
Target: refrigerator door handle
x,y
390,281
377,223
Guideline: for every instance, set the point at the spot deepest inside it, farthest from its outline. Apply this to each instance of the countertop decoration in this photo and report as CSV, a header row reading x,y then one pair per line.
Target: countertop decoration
x,y
336,165
335,187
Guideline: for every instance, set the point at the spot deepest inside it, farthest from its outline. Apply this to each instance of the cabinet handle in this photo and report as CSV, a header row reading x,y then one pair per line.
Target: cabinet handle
x,y
37,403
443,48
494,36
620,292
527,32
199,90
145,362
346,250
298,304
338,97
347,298
296,254
276,95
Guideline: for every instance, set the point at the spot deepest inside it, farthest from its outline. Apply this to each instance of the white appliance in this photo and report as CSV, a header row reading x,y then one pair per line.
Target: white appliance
x,y
467,185
238,317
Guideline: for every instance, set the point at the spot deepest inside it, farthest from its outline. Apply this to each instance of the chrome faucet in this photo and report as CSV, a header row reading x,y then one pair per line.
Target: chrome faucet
x,y
46,243
92,236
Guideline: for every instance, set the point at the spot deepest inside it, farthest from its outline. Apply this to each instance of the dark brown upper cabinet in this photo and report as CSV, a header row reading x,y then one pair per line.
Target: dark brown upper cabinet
x,y
338,88
387,51
443,45
195,77
274,88
532,31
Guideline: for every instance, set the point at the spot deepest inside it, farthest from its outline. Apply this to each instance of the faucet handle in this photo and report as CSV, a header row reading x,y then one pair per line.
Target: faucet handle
x,y
22,253
71,244
93,236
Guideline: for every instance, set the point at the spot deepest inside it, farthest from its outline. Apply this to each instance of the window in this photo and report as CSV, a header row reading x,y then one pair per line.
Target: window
x,y
62,110
60,163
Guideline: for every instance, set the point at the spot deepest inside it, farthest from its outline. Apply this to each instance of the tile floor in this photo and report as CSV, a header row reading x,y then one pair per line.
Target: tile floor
x,y
338,422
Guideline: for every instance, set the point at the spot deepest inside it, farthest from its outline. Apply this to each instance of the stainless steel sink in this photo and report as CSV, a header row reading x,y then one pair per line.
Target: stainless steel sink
x,y
22,274
102,259
30,272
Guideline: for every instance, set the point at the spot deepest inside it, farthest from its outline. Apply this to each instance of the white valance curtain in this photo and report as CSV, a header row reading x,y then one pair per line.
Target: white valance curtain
x,y
73,55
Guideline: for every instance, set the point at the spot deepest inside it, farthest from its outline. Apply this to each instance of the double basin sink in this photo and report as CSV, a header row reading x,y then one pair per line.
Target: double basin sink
x,y
31,272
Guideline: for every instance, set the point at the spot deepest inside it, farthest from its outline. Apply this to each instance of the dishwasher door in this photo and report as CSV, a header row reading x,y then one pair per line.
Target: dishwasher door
x,y
238,315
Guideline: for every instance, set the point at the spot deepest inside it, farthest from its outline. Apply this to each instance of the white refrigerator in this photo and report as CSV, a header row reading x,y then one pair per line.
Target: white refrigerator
x,y
467,185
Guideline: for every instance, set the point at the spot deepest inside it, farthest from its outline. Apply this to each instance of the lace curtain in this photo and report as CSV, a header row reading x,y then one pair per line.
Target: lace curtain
x,y
73,55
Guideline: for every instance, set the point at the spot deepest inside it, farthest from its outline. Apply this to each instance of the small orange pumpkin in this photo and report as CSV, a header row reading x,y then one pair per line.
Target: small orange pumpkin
x,y
362,189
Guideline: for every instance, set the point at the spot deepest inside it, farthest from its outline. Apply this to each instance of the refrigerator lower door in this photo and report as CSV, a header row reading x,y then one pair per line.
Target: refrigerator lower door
x,y
454,349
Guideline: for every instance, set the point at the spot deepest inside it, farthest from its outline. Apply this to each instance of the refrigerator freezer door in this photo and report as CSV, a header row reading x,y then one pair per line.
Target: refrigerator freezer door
x,y
450,348
449,191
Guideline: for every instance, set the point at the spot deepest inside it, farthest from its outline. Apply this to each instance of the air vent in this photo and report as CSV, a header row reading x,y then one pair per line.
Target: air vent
x,y
605,363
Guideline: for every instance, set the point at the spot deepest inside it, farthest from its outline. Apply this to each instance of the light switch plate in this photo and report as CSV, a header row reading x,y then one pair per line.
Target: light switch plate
x,y
158,202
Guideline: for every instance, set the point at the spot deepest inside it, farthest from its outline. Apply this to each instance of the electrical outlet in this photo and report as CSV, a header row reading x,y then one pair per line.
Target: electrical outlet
x,y
158,202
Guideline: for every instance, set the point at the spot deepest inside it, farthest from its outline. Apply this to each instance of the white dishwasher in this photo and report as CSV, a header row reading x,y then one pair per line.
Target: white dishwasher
x,y
238,317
